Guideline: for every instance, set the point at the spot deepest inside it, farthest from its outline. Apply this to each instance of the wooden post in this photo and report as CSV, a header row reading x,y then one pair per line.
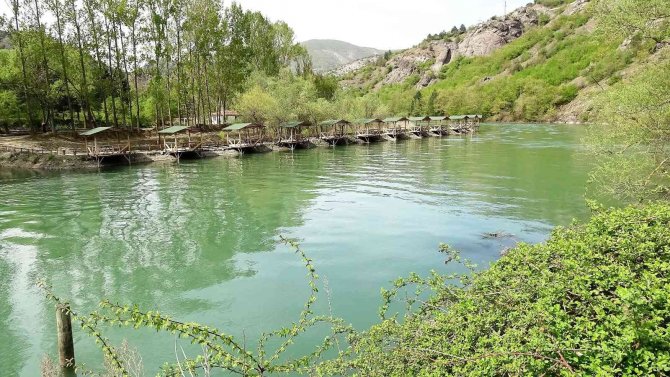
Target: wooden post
x,y
65,342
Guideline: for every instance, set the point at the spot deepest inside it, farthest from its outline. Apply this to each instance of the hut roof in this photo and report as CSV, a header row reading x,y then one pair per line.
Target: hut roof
x,y
475,116
295,124
242,126
172,130
369,121
395,119
441,117
459,117
95,131
419,119
332,122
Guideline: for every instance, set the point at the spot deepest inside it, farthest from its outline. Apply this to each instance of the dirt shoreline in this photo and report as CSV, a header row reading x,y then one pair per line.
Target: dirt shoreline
x,y
52,162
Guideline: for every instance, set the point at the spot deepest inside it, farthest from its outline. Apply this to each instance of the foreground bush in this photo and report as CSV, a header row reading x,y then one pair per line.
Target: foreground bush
x,y
593,300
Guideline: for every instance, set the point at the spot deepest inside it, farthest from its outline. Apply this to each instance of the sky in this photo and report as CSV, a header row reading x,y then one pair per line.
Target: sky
x,y
382,24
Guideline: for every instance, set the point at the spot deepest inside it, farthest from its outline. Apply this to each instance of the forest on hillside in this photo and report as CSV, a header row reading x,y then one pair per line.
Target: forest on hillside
x,y
137,63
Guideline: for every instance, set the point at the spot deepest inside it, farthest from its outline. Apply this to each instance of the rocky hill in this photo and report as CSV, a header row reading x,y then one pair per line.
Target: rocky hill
x,y
542,62
480,40
328,54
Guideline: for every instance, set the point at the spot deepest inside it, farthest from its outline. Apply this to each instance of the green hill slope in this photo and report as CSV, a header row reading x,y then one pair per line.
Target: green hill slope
x,y
550,73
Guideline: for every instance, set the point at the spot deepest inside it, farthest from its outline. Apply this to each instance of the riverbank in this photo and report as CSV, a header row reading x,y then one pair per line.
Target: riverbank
x,y
64,152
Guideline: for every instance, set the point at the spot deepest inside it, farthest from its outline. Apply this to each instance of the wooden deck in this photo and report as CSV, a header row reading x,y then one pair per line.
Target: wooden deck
x,y
370,134
244,147
294,143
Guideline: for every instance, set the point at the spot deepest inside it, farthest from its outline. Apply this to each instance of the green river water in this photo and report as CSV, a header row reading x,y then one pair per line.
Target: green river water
x,y
198,240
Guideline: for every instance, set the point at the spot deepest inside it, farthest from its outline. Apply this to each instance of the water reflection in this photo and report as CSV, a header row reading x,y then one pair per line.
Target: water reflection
x,y
194,239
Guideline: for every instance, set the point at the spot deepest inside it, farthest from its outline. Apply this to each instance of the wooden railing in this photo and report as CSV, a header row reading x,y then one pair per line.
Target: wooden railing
x,y
57,152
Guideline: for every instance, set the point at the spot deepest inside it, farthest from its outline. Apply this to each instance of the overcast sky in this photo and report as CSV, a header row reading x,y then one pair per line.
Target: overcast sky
x,y
383,24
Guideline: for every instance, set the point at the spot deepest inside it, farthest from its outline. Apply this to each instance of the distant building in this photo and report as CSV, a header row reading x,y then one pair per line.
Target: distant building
x,y
225,117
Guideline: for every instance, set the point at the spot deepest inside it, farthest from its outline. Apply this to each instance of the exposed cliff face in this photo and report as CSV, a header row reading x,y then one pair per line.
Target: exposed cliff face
x,y
479,40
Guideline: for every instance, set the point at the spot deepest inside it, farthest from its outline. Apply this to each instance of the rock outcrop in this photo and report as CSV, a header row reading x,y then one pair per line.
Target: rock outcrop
x,y
479,40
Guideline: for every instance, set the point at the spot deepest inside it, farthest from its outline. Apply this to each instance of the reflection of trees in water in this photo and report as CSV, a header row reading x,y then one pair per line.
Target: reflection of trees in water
x,y
528,170
147,234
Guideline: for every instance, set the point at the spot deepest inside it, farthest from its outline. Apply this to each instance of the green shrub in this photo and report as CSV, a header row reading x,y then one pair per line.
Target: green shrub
x,y
552,3
594,300
543,19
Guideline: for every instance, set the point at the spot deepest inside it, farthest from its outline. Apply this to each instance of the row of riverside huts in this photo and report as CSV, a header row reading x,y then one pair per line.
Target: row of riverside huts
x,y
297,134
178,140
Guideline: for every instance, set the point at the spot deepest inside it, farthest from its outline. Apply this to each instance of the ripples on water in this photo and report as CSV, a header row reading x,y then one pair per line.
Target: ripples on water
x,y
198,240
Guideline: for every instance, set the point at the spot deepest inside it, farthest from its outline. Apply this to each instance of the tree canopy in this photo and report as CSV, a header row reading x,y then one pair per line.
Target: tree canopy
x,y
129,63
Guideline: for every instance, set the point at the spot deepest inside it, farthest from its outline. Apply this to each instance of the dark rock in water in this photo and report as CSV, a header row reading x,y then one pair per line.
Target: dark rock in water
x,y
497,235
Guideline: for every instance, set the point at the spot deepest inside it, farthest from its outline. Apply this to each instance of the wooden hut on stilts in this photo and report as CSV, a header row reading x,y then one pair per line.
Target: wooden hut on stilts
x,y
105,151
291,135
475,120
369,130
245,137
419,126
334,131
395,127
459,123
174,143
439,125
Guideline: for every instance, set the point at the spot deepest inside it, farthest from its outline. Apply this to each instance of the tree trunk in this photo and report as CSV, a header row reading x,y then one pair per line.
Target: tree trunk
x,y
207,96
127,75
135,78
15,9
179,88
111,72
59,27
84,87
98,56
46,111
117,56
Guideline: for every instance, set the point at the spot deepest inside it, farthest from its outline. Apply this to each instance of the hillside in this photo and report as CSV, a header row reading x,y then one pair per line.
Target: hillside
x,y
540,63
328,54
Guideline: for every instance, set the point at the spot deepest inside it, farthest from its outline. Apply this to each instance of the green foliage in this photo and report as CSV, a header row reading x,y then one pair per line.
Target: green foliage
x,y
648,19
553,3
631,137
631,140
277,99
592,301
446,36
132,62
326,86
527,79
513,83
256,105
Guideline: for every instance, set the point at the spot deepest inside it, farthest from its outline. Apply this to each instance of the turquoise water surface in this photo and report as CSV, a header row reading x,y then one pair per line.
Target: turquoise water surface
x,y
198,240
